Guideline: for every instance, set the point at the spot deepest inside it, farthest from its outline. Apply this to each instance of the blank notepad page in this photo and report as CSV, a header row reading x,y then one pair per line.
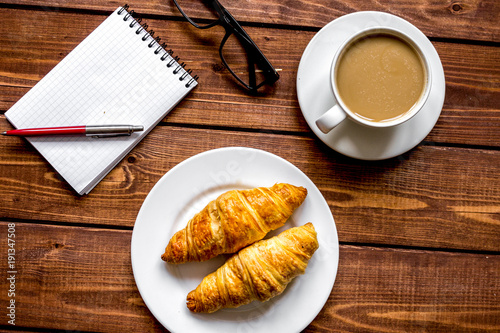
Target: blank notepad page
x,y
118,75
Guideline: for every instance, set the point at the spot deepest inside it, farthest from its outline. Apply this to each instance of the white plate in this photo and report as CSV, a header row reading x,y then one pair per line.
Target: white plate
x,y
315,96
184,191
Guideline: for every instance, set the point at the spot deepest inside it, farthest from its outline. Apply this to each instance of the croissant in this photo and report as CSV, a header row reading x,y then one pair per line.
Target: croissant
x,y
258,272
234,220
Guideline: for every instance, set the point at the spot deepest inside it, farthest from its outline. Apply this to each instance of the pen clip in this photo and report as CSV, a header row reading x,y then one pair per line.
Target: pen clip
x,y
109,135
106,131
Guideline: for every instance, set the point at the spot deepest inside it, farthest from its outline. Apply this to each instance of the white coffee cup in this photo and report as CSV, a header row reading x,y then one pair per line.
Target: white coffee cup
x,y
340,111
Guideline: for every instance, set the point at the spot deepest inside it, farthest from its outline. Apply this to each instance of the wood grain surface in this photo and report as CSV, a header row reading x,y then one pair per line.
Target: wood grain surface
x,y
419,233
455,19
83,278
471,71
422,201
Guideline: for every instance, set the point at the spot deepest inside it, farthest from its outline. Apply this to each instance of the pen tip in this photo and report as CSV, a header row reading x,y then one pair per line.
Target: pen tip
x,y
4,133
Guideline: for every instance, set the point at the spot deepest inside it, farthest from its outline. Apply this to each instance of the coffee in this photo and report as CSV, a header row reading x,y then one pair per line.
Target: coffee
x,y
380,77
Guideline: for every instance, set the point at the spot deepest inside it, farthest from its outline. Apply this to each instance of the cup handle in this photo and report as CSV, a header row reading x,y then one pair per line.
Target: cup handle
x,y
330,119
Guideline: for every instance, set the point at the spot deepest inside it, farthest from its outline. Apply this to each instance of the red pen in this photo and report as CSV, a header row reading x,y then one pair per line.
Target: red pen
x,y
87,130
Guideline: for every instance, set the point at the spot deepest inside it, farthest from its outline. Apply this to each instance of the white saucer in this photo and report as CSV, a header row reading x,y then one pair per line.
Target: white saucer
x,y
315,96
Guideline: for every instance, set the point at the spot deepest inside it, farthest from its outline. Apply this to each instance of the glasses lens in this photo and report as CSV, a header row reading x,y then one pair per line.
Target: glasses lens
x,y
244,62
200,12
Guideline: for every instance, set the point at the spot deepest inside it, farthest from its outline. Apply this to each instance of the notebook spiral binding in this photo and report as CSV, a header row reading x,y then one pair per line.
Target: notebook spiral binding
x,y
156,41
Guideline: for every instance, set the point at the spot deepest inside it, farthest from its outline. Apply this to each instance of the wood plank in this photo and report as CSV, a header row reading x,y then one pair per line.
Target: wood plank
x,y
470,115
444,19
431,196
472,100
394,290
83,277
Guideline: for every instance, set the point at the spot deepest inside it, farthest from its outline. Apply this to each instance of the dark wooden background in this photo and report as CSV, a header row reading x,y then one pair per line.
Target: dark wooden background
x,y
419,233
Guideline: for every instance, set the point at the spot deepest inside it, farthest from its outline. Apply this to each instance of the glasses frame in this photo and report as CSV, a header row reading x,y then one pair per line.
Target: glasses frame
x,y
255,55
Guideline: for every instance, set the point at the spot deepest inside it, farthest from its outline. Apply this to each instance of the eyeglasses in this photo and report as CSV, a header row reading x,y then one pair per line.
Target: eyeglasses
x,y
241,56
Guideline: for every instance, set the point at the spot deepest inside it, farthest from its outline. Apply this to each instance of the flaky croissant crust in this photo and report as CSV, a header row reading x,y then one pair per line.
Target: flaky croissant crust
x,y
234,220
257,272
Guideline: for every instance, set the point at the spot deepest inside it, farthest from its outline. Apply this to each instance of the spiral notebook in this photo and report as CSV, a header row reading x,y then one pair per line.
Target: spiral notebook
x,y
119,74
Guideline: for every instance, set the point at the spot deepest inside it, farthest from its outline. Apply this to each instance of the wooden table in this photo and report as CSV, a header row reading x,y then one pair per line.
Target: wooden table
x,y
419,233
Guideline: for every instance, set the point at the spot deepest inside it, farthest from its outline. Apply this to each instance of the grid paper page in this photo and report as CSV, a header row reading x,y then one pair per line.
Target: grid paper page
x,y
111,77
